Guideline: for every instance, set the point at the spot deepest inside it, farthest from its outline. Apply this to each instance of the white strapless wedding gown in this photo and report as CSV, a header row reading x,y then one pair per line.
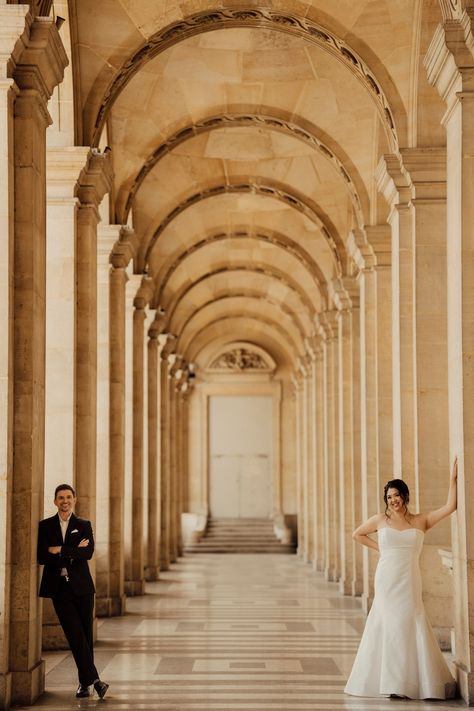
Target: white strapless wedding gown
x,y
398,652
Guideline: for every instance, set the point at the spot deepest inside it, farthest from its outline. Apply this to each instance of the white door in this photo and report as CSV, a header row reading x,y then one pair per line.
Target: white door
x,y
240,458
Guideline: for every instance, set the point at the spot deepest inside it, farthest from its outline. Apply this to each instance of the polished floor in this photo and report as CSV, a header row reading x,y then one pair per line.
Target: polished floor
x,y
243,632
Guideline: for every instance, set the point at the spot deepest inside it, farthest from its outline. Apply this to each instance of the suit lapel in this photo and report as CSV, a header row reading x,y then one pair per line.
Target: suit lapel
x,y
71,527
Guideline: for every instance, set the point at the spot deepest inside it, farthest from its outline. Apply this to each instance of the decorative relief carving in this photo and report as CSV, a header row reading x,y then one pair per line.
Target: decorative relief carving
x,y
245,17
237,120
240,359
451,9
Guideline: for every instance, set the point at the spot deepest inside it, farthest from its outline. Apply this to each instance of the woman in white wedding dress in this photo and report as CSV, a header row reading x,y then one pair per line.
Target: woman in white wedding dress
x,y
398,654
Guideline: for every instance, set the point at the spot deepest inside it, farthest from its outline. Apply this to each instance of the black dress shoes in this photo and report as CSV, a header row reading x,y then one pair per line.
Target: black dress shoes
x,y
82,691
101,688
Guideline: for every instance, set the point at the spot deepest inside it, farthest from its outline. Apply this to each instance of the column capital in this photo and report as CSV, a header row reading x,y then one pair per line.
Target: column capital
x,y
124,248
380,240
95,179
449,60
39,57
144,293
63,166
427,169
314,345
393,181
328,324
360,250
344,292
167,343
158,325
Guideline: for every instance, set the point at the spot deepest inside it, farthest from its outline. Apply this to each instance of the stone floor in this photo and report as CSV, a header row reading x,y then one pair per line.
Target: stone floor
x,y
249,632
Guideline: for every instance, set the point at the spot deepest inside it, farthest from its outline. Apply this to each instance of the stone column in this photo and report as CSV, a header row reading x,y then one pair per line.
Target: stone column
x,y
311,347
12,27
122,253
395,185
132,286
152,567
93,183
296,380
38,63
320,510
328,321
363,256
135,585
450,67
167,344
343,291
305,489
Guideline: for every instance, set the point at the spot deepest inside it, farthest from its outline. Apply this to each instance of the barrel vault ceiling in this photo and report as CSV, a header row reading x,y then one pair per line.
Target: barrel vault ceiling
x,y
245,139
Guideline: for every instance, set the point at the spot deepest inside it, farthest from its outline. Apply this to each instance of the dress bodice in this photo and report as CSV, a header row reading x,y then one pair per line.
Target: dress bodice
x,y
407,542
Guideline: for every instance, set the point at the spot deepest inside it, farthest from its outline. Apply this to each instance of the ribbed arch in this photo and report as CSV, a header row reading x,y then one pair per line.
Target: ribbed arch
x,y
247,308
272,189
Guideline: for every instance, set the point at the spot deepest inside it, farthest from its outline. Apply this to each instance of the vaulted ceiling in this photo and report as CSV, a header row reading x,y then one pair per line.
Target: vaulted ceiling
x,y
245,140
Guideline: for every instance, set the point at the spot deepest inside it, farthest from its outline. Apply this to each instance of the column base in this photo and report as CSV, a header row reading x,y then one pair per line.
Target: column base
x,y
152,573
357,588
5,690
465,681
331,575
53,637
26,686
110,606
345,587
134,587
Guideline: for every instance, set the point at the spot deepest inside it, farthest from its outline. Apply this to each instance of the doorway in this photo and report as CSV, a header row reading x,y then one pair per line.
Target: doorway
x,y
240,456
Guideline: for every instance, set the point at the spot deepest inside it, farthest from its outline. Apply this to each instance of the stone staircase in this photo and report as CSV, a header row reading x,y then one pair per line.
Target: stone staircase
x,y
239,535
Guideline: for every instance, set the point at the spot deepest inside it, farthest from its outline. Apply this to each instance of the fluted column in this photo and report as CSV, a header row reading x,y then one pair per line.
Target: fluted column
x,y
93,183
328,321
449,63
38,66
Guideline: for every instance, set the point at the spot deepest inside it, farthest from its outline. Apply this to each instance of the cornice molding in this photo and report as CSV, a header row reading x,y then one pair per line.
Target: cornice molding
x,y
124,249
95,179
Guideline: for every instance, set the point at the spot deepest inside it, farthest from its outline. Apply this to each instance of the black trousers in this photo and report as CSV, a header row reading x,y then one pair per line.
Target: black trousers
x,y
75,614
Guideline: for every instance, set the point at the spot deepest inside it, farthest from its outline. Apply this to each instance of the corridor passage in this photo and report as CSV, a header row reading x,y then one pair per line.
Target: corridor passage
x,y
250,632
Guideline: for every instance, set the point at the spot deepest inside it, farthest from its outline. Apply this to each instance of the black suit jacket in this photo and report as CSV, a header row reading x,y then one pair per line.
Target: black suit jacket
x,y
72,558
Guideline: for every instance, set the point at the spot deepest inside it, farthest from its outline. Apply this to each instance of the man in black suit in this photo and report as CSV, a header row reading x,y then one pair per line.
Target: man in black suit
x,y
65,544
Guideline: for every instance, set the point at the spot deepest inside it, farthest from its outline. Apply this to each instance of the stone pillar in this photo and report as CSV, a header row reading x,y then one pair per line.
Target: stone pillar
x,y
356,483
121,255
328,320
450,67
38,63
305,462
93,183
136,583
167,343
311,348
343,290
396,187
152,566
296,380
132,286
12,26
364,258
320,510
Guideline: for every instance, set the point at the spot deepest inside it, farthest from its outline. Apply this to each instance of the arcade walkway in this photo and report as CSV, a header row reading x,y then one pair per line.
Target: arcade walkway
x,y
221,632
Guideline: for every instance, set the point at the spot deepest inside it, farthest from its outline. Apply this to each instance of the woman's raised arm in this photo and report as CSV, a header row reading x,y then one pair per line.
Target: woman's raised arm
x,y
434,517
